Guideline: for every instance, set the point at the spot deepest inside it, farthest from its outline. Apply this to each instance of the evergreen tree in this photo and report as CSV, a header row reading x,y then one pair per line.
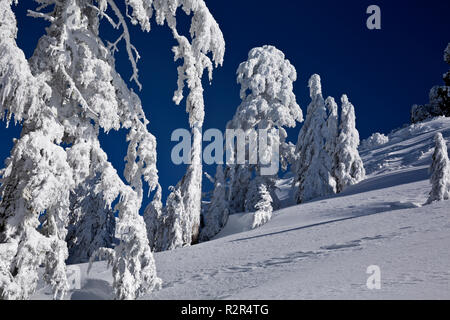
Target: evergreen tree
x,y
268,104
263,208
91,225
440,171
350,168
216,216
313,170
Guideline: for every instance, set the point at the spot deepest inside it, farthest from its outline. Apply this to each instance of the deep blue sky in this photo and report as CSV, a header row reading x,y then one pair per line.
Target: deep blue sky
x,y
382,71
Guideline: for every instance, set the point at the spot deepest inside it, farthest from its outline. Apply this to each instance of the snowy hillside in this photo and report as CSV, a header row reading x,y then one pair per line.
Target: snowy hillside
x,y
321,249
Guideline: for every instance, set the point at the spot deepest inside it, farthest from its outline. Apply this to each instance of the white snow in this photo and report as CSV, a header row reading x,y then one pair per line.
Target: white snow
x,y
321,249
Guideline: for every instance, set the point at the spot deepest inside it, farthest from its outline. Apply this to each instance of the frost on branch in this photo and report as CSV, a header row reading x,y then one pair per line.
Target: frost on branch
x,y
440,171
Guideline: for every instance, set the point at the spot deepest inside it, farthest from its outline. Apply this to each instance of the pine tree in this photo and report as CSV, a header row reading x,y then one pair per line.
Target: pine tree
x,y
239,176
350,168
313,170
216,216
440,171
269,104
263,208
167,223
331,132
91,226
36,179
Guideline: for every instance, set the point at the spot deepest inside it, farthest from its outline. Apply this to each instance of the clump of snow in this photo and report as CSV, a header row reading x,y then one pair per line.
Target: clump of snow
x,y
375,140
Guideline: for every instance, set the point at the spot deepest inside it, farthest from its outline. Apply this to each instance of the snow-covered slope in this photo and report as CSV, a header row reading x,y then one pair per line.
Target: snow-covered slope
x,y
321,249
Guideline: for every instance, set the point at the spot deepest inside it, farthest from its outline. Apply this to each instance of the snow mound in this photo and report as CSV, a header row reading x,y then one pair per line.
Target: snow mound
x,y
408,147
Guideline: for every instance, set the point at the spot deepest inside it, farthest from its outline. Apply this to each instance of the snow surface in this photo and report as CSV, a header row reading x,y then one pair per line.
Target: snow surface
x,y
321,249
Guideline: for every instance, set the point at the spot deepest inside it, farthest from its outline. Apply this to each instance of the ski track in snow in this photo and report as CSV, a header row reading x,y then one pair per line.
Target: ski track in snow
x,y
321,249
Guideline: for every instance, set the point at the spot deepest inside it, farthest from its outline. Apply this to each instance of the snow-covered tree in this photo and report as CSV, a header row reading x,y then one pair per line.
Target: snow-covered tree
x,y
269,104
36,179
440,171
350,168
263,208
206,38
91,224
331,133
167,224
216,216
239,176
332,124
439,98
313,170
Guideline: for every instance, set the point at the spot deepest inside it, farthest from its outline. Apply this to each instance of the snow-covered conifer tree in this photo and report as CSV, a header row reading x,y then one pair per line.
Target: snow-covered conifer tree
x,y
37,177
239,176
263,208
440,171
91,224
268,103
331,126
331,133
350,168
216,216
166,225
313,170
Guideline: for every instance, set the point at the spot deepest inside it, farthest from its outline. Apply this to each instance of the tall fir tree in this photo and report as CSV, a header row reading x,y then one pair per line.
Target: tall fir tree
x,y
263,208
216,216
440,171
350,168
313,176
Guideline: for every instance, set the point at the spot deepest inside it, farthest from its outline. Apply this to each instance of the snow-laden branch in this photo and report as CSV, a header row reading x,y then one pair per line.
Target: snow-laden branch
x,y
35,14
129,47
